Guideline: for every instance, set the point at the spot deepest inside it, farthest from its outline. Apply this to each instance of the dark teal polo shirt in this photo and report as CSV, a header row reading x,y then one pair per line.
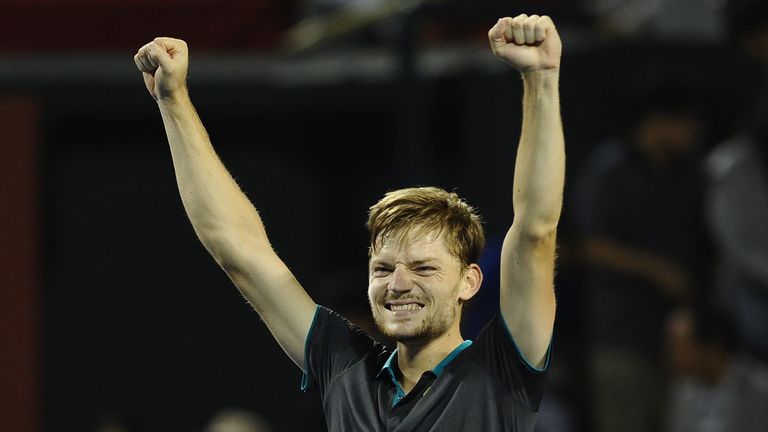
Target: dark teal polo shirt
x,y
390,370
483,385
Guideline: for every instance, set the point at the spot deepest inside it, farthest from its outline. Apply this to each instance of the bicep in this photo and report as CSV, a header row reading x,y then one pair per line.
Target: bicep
x,y
270,287
527,291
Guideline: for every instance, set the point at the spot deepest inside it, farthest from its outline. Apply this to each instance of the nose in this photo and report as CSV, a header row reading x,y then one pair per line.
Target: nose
x,y
401,281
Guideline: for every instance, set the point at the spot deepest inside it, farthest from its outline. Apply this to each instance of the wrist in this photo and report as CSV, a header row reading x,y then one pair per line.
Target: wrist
x,y
178,97
541,76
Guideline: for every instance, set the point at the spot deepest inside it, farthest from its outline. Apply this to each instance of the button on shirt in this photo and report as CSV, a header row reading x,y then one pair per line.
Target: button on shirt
x,y
485,385
389,370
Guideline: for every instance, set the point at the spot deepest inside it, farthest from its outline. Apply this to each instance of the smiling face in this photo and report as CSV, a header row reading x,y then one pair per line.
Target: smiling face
x,y
416,286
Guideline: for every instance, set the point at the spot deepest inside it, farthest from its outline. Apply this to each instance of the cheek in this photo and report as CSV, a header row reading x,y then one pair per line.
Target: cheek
x,y
375,287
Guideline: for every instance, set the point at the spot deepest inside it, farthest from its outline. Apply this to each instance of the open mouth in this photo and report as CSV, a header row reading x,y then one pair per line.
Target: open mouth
x,y
404,307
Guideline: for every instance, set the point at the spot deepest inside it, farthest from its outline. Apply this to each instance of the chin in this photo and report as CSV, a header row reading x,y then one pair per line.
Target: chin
x,y
424,328
413,333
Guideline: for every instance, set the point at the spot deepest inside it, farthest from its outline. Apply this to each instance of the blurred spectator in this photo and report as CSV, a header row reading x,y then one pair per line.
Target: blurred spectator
x,y
737,198
722,382
748,30
237,420
114,422
638,210
678,20
738,216
359,5
716,389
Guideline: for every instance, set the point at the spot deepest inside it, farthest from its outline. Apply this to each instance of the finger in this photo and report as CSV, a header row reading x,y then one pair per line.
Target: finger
x,y
496,34
146,65
166,49
518,34
139,65
543,26
137,59
149,58
529,29
158,56
497,31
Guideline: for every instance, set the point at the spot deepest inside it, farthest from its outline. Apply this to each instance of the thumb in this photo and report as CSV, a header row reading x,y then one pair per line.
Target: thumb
x,y
496,33
159,55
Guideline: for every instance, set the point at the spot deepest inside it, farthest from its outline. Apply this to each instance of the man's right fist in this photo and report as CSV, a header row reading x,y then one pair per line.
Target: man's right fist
x,y
163,62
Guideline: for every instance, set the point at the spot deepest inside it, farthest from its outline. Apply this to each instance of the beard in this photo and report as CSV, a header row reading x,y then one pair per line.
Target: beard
x,y
438,321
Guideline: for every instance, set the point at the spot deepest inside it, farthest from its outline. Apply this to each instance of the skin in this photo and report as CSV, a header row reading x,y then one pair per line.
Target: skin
x,y
232,231
417,268
532,45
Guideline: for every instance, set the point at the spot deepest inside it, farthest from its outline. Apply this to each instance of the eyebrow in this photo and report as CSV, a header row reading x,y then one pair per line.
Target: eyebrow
x,y
414,263
423,261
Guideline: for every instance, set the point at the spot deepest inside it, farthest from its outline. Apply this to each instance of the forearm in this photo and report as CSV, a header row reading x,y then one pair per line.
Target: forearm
x,y
220,213
667,276
540,163
618,257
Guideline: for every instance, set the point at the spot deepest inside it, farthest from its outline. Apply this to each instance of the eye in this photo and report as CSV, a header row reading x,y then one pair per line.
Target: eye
x,y
425,269
380,271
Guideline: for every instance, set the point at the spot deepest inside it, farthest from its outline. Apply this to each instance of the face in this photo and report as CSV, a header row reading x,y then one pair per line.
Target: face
x,y
416,287
668,136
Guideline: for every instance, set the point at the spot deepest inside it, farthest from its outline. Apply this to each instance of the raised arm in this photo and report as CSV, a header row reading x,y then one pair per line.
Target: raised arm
x,y
223,218
531,44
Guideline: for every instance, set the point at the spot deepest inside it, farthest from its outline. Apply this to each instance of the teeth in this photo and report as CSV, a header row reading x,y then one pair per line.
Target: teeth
x,y
406,307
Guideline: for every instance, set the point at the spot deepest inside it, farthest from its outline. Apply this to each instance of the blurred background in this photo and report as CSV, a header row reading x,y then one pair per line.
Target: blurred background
x,y
114,318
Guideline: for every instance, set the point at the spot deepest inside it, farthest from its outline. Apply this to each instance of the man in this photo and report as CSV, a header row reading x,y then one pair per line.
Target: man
x,y
638,208
424,246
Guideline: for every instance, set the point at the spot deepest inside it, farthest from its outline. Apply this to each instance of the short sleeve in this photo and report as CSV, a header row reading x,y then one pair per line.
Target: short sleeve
x,y
496,351
332,346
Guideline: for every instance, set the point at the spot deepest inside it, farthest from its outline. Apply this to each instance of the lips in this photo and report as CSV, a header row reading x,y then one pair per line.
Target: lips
x,y
403,306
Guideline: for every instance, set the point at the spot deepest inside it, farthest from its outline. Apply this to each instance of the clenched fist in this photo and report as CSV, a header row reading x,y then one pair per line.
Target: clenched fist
x,y
163,62
528,43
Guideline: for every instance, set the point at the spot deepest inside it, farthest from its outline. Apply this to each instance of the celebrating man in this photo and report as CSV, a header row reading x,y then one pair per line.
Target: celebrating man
x,y
424,247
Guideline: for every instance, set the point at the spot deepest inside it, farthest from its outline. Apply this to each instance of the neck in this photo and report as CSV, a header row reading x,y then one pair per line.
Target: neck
x,y
416,357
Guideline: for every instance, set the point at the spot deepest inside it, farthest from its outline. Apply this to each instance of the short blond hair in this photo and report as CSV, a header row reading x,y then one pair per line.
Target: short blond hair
x,y
428,209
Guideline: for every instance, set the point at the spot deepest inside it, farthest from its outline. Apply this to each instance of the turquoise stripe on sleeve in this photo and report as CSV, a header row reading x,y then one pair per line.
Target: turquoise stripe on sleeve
x,y
527,363
304,376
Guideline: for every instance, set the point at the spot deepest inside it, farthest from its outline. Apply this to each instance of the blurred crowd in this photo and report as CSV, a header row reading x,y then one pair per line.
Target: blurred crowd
x,y
228,419
671,217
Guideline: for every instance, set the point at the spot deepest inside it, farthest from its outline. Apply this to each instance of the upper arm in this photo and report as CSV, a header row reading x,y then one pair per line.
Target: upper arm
x,y
527,291
270,287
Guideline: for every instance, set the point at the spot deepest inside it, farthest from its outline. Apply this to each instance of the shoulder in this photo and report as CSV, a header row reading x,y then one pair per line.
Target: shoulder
x,y
494,360
729,155
497,343
332,328
334,345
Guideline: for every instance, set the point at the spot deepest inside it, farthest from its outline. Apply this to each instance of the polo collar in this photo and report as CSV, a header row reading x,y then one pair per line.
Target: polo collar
x,y
389,365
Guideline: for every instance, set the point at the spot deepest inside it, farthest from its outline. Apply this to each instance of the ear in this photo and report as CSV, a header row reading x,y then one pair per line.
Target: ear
x,y
473,278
